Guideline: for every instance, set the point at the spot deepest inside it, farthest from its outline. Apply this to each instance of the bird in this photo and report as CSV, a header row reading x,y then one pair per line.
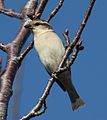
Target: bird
x,y
50,50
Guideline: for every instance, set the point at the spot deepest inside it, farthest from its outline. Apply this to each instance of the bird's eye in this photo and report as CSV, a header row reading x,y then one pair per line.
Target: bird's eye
x,y
36,24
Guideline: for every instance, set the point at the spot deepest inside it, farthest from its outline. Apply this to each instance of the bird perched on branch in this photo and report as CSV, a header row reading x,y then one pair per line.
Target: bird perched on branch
x,y
50,50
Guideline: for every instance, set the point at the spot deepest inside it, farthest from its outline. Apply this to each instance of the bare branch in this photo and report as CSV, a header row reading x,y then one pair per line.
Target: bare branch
x,y
79,47
10,13
1,3
38,13
33,113
40,8
70,62
78,34
41,111
65,34
12,64
22,56
41,101
3,47
1,69
83,24
56,9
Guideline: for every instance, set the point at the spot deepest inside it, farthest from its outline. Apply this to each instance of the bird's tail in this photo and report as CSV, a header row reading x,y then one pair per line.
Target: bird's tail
x,y
76,101
66,84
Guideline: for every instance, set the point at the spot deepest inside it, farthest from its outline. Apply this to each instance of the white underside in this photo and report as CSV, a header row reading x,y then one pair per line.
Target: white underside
x,y
50,50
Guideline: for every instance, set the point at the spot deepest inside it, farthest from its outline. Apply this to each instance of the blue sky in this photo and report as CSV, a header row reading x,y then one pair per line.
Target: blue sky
x,y
88,71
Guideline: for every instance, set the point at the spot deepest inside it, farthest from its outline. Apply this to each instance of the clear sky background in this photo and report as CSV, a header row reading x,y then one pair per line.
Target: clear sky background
x,y
88,72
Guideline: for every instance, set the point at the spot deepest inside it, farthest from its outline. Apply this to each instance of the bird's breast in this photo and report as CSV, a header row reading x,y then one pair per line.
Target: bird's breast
x,y
50,50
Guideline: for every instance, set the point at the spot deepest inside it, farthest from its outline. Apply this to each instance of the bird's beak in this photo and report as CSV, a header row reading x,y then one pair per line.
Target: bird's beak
x,y
28,24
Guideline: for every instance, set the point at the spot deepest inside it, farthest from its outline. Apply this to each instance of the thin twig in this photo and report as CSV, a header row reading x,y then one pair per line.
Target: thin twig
x,y
41,111
11,13
70,62
56,9
78,34
83,23
22,55
65,34
40,8
41,101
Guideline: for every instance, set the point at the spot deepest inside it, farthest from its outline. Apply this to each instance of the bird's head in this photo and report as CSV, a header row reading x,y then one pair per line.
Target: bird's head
x,y
38,26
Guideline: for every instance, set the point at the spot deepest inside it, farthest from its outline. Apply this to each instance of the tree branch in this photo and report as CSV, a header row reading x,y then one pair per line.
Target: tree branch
x,y
1,3
14,49
40,8
78,34
12,64
10,13
24,53
56,9
65,34
70,62
41,101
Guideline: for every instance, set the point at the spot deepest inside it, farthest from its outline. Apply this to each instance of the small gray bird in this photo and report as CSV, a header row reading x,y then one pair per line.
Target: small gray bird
x,y
50,50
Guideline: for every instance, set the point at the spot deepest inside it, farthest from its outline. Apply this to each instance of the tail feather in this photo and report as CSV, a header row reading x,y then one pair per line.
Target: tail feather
x,y
66,83
78,103
75,99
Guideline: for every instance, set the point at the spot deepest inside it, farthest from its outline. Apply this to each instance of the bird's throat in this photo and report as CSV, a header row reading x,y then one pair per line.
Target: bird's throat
x,y
44,31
